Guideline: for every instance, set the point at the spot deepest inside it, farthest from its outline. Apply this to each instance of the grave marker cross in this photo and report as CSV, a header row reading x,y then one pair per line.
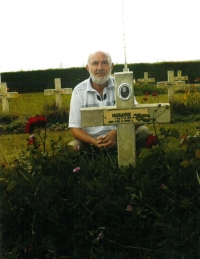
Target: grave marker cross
x,y
146,79
170,84
179,76
6,96
125,115
58,92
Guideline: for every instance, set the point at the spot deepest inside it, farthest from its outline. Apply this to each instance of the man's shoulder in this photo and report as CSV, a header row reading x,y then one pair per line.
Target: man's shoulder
x,y
111,82
82,85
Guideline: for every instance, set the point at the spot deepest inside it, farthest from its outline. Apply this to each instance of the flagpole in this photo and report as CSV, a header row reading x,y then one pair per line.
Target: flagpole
x,y
125,61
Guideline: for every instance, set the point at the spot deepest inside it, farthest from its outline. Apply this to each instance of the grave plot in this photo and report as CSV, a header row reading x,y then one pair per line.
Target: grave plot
x,y
125,115
170,84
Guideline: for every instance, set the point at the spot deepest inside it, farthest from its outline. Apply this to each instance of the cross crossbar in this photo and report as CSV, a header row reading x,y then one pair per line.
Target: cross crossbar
x,y
170,84
179,76
58,92
146,79
6,96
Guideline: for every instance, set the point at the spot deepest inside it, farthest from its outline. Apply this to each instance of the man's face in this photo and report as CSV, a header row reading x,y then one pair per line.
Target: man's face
x,y
100,67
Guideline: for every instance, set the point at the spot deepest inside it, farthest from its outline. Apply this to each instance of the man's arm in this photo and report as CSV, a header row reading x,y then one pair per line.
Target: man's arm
x,y
104,141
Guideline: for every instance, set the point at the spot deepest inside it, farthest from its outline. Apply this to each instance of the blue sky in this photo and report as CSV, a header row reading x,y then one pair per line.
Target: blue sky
x,y
43,34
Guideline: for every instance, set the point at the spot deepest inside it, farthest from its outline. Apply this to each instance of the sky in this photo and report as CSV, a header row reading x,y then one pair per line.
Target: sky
x,y
50,34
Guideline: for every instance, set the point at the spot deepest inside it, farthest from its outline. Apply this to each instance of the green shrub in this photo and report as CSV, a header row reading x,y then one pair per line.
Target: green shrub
x,y
56,115
141,89
189,101
12,124
71,205
7,118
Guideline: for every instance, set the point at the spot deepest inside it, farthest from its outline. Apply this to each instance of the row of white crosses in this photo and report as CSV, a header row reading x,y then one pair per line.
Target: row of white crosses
x,y
58,92
6,96
172,82
125,115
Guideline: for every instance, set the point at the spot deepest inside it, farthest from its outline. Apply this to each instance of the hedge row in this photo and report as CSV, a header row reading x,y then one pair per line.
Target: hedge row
x,y
37,81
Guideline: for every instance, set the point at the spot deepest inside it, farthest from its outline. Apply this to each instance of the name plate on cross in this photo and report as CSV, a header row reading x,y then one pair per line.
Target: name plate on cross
x,y
125,115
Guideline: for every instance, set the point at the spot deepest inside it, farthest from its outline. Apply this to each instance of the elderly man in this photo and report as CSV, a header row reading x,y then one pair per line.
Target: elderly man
x,y
98,90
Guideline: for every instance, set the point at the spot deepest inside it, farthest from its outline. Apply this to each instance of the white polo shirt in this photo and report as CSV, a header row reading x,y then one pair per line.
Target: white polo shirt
x,y
84,96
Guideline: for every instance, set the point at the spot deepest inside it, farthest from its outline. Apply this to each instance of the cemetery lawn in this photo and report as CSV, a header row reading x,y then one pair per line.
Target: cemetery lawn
x,y
31,104
12,145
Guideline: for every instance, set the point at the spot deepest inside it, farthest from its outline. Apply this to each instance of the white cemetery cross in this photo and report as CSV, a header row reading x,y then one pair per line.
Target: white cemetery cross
x,y
6,96
179,76
146,79
170,84
125,115
58,92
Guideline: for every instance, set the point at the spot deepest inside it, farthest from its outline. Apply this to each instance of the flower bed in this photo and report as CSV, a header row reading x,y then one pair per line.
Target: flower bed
x,y
62,203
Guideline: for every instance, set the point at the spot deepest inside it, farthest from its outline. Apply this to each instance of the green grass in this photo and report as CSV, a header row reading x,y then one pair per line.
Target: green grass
x,y
27,105
12,145
30,104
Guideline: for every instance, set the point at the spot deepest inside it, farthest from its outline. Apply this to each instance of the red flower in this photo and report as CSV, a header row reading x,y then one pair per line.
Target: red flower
x,y
145,98
35,122
151,141
183,136
31,141
154,94
146,94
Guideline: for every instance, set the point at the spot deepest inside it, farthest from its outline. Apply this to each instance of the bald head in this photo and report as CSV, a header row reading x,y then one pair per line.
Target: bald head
x,y
100,53
99,67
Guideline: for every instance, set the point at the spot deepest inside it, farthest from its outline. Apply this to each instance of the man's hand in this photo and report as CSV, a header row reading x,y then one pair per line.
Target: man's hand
x,y
104,141
108,140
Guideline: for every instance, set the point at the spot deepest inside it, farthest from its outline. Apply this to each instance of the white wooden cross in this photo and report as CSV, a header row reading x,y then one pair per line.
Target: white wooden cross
x,y
125,115
179,76
6,96
170,84
58,92
146,79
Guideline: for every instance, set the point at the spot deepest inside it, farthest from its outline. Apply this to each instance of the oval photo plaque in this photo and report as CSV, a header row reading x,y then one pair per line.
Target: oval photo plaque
x,y
124,91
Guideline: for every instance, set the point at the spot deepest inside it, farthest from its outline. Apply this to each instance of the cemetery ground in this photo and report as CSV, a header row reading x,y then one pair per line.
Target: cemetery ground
x,y
67,205
32,104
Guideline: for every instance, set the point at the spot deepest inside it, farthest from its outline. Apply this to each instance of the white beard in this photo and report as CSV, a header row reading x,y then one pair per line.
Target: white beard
x,y
100,80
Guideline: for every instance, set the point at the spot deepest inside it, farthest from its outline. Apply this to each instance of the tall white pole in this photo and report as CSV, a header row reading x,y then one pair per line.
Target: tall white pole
x,y
125,62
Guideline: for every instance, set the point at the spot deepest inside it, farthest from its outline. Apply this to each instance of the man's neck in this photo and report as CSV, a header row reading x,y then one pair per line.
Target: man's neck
x,y
99,87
